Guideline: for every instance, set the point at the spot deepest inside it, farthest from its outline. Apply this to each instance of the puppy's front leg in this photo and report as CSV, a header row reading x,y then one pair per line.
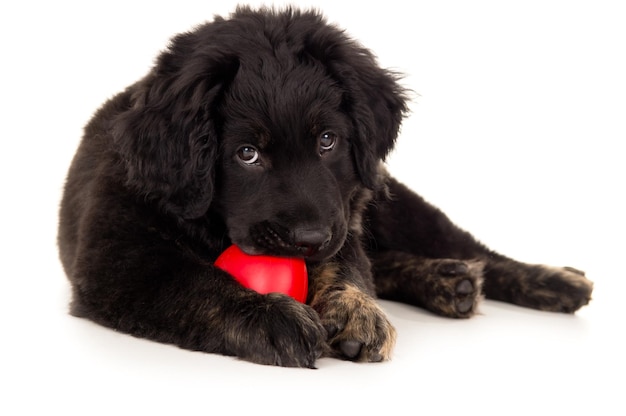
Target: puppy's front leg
x,y
342,293
150,285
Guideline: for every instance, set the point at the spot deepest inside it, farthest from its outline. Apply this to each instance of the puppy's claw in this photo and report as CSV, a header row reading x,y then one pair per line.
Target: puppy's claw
x,y
573,270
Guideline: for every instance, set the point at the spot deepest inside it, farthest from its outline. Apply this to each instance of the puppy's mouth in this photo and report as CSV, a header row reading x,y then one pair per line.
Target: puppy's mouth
x,y
274,239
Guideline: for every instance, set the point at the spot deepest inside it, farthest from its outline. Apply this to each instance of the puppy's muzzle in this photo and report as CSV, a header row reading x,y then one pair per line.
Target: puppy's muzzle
x,y
305,241
311,241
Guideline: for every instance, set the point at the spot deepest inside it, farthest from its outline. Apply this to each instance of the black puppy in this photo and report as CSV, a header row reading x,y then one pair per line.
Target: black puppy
x,y
268,130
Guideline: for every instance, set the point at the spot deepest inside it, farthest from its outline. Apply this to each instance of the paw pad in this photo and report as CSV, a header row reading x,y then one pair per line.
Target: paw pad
x,y
454,288
465,287
464,301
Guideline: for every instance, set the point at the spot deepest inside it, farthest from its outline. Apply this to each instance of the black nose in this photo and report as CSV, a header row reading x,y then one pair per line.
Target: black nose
x,y
310,241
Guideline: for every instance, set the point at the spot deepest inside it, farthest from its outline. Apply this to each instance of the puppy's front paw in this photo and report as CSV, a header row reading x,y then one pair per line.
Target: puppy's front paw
x,y
278,330
357,327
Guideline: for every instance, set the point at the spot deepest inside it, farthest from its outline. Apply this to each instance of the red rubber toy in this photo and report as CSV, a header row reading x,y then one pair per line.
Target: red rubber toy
x,y
266,274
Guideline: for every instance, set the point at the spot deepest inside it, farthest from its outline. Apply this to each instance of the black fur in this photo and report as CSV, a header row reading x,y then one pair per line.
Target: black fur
x,y
267,130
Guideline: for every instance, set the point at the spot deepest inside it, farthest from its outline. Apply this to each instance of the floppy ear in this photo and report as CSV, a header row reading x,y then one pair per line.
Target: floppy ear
x,y
167,137
373,98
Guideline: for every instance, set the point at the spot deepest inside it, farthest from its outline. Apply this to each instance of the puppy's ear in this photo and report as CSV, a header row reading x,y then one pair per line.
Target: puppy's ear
x,y
167,137
373,98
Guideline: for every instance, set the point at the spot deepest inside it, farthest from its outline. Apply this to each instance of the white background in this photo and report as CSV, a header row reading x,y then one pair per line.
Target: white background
x,y
517,131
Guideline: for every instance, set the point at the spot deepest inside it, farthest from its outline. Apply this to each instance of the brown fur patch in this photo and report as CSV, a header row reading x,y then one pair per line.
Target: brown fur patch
x,y
351,317
358,203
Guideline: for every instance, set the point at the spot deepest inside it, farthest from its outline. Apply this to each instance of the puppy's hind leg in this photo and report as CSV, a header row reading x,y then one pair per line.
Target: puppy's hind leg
x,y
419,256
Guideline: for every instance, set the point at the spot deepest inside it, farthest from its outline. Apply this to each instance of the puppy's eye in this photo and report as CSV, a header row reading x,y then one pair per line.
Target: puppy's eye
x,y
327,141
248,155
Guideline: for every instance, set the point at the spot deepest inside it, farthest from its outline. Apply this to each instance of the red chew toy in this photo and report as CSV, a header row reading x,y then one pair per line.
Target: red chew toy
x,y
266,274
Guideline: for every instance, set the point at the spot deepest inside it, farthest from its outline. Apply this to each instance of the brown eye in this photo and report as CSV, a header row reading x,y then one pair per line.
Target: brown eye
x,y
327,141
248,155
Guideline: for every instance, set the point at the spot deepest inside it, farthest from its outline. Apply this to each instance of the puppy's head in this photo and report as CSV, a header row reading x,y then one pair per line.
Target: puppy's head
x,y
275,121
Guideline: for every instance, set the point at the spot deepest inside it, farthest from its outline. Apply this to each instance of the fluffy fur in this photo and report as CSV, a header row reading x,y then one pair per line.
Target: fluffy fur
x,y
267,130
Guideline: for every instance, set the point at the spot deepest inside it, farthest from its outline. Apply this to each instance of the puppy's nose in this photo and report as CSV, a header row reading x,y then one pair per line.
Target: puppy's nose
x,y
310,241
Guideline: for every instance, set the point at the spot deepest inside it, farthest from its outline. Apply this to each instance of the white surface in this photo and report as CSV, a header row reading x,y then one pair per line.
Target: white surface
x,y
517,133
